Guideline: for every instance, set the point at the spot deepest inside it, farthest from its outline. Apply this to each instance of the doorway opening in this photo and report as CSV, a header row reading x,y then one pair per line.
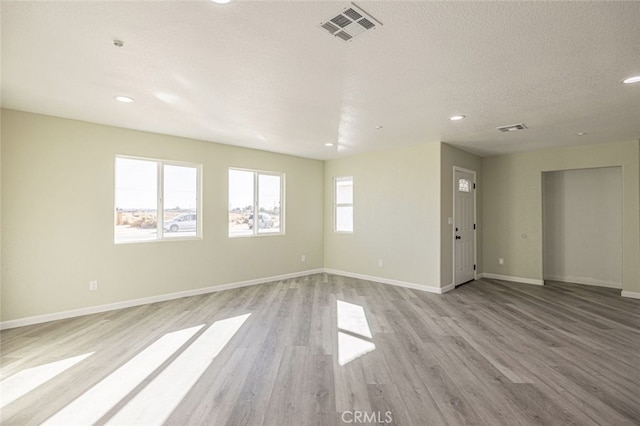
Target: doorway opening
x,y
582,226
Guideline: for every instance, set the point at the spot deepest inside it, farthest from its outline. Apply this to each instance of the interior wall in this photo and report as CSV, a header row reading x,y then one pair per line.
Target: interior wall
x,y
57,218
512,206
396,215
454,157
1,268
583,226
56,210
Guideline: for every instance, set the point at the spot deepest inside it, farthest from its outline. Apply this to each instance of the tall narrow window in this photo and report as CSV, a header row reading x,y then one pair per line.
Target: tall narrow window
x,y
255,203
343,203
155,200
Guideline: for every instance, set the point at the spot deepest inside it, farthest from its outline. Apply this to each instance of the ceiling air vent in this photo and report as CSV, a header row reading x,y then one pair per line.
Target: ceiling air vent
x,y
344,35
330,27
349,23
512,127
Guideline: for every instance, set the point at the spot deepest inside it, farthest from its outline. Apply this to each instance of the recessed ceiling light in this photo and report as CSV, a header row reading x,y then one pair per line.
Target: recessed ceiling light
x,y
125,99
328,144
581,134
631,80
456,117
221,1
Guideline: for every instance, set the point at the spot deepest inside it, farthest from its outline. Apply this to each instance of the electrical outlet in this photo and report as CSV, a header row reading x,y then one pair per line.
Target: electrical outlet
x,y
303,258
93,285
501,261
380,263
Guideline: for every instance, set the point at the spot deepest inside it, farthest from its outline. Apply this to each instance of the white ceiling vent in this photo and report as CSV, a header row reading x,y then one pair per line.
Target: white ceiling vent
x,y
512,127
349,23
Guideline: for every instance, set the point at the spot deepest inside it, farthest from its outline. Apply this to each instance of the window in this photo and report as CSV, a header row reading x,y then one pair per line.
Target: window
x,y
148,189
256,204
343,202
464,185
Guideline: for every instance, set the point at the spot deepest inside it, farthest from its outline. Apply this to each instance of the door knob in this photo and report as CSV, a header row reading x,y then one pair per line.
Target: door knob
x,y
457,237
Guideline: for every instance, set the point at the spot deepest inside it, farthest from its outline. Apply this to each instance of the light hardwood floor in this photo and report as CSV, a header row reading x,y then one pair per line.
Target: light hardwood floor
x,y
490,352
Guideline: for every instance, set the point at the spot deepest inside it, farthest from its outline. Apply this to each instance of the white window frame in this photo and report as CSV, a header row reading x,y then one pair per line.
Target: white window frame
x,y
160,199
256,190
336,205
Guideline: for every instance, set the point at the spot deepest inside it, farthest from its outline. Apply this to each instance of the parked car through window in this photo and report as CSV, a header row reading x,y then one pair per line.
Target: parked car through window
x,y
182,222
264,221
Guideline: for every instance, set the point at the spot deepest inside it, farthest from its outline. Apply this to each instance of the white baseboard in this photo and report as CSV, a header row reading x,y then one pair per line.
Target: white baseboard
x,y
38,319
447,288
513,279
414,286
584,281
631,294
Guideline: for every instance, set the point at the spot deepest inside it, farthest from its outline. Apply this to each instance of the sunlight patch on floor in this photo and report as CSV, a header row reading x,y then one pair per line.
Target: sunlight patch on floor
x,y
27,380
354,333
351,348
351,318
97,401
155,403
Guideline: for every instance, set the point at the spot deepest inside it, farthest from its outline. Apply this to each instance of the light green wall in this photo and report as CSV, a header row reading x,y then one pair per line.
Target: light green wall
x,y
1,269
56,211
57,218
512,206
396,215
454,157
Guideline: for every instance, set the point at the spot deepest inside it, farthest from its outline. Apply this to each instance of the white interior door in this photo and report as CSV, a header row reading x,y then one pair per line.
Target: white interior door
x,y
464,226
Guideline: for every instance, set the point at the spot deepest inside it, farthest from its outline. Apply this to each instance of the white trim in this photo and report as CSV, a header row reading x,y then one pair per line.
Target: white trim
x,y
447,288
405,284
255,230
38,319
475,221
513,279
584,281
146,300
631,294
160,165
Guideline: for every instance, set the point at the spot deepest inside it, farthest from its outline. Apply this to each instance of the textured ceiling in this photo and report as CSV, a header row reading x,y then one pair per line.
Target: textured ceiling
x,y
264,75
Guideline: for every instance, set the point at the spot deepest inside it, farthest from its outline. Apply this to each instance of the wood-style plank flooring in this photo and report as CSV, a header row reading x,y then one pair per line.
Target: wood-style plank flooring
x,y
330,350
